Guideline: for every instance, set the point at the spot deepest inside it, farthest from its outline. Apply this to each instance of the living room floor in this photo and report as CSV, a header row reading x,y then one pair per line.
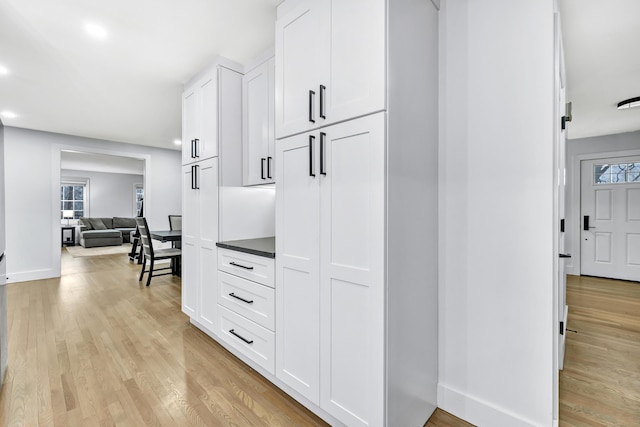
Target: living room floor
x,y
97,347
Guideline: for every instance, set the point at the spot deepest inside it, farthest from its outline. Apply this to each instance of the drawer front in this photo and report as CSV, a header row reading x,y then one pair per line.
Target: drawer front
x,y
252,300
252,267
250,339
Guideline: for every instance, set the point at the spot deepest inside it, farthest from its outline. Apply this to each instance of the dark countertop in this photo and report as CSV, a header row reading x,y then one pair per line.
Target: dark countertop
x,y
264,246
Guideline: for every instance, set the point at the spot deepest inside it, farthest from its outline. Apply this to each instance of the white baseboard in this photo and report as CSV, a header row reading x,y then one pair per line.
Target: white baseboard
x,y
478,412
27,276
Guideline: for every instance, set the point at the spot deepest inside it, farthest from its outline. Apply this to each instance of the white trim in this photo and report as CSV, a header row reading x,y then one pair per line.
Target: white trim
x,y
575,201
45,273
477,411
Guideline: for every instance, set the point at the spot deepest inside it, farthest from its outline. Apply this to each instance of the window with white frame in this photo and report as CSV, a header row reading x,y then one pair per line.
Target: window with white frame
x,y
616,173
73,199
138,197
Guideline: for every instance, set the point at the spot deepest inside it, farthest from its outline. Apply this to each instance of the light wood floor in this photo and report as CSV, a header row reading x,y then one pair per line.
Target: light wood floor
x,y
97,348
600,383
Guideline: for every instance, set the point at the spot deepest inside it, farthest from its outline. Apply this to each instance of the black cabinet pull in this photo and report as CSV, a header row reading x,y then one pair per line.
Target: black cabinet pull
x,y
269,159
323,88
240,298
193,150
262,168
322,153
312,96
193,177
232,332
565,255
196,175
197,150
240,265
311,140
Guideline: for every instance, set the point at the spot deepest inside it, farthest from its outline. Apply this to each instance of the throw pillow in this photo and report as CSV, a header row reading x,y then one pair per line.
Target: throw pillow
x,y
86,223
97,224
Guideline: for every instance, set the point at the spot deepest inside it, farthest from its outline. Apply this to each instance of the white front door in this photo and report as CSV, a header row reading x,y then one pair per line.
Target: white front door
x,y
610,213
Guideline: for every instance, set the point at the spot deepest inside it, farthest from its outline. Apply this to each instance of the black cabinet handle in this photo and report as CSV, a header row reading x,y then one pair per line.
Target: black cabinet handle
x,y
323,88
241,266
193,177
269,159
262,168
311,140
193,150
197,149
232,332
565,255
196,175
240,298
322,153
312,115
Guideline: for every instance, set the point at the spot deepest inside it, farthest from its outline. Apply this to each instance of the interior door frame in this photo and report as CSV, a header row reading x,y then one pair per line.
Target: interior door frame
x,y
576,201
57,149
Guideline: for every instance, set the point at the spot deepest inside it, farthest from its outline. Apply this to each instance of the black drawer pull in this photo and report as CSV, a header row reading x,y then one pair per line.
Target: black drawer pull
x,y
240,298
241,266
232,332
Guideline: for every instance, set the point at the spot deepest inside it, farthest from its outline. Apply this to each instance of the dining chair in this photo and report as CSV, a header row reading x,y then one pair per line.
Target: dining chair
x,y
175,223
152,255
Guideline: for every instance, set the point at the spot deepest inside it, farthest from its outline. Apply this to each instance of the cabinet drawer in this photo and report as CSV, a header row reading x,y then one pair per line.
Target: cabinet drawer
x,y
249,299
252,267
252,340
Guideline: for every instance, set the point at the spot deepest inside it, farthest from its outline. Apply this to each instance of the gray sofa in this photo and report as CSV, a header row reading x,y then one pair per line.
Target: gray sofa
x,y
114,231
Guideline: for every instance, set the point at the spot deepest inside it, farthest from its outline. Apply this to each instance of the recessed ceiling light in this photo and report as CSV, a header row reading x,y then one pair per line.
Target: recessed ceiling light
x,y
629,103
3,70
8,115
177,142
96,30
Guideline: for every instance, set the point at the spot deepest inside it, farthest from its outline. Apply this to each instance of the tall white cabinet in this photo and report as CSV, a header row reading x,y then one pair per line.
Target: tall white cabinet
x,y
356,208
212,129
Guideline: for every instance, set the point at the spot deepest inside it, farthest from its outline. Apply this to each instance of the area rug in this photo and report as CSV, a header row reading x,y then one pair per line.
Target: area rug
x,y
79,251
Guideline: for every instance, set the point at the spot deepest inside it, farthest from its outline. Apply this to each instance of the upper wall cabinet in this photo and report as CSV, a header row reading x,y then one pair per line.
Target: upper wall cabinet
x,y
330,63
258,136
199,119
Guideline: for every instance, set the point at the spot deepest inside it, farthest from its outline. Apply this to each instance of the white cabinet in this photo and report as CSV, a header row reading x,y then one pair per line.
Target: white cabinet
x,y
357,208
330,62
247,306
199,237
258,136
200,119
330,258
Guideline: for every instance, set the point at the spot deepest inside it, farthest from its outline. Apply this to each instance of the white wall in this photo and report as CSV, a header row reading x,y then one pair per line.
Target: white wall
x,y
33,194
581,149
496,208
110,194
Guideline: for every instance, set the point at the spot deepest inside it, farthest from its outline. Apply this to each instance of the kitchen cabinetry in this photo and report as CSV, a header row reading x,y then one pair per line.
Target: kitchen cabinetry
x,y
247,305
258,136
330,62
212,129
199,237
357,208
330,292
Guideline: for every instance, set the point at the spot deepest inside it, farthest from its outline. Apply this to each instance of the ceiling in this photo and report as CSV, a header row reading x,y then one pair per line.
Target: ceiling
x,y
127,86
602,64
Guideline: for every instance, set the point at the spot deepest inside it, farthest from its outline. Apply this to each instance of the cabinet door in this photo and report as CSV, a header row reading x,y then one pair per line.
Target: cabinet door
x,y
189,123
207,238
355,82
297,268
190,231
257,106
352,259
301,50
208,118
